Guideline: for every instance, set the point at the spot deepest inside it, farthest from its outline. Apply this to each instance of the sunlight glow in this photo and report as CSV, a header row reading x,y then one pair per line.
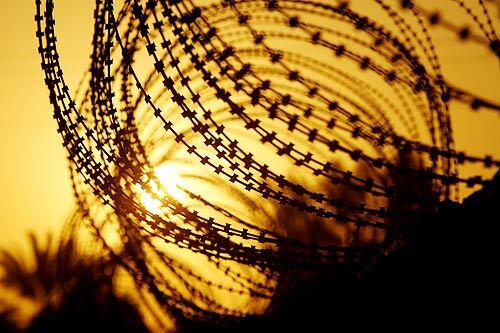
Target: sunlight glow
x,y
170,181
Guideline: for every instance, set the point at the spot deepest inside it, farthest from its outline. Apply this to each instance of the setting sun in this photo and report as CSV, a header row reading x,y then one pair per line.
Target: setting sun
x,y
170,181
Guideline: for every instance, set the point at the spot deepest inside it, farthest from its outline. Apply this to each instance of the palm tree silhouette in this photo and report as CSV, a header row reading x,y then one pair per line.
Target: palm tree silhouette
x,y
72,290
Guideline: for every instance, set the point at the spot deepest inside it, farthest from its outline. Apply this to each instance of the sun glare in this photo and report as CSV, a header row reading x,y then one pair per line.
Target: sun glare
x,y
170,181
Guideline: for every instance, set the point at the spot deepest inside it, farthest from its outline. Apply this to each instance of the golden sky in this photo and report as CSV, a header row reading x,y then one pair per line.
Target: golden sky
x,y
35,192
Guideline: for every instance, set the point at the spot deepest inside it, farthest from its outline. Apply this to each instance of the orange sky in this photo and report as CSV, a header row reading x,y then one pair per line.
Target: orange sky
x,y
35,191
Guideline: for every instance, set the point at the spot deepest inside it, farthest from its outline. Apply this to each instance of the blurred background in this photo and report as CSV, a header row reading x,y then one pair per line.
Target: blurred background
x,y
35,190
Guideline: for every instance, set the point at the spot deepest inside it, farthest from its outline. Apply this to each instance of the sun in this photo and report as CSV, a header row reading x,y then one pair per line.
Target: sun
x,y
170,183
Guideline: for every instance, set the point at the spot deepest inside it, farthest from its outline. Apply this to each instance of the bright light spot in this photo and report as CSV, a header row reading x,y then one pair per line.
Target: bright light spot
x,y
170,181
150,203
169,178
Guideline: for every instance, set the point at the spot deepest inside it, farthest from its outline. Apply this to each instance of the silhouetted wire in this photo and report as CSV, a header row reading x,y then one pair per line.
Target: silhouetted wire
x,y
242,88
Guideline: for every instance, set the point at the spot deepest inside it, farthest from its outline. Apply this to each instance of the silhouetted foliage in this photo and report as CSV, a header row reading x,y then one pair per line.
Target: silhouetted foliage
x,y
443,272
7,322
73,290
